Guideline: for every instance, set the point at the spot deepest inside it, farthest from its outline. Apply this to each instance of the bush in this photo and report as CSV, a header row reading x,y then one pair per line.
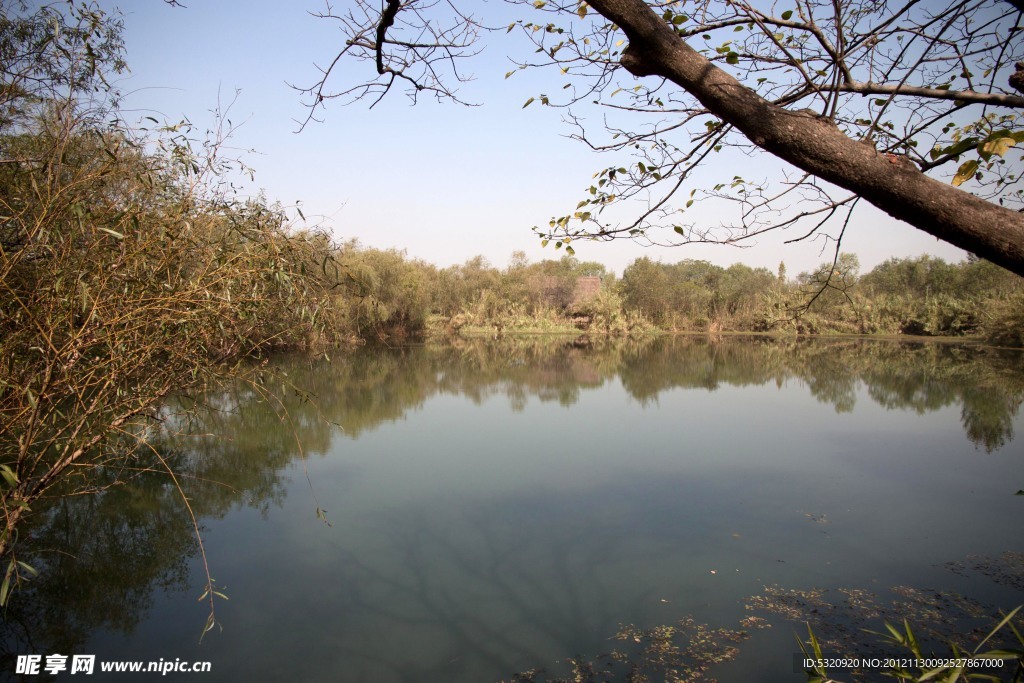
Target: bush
x,y
1004,324
126,273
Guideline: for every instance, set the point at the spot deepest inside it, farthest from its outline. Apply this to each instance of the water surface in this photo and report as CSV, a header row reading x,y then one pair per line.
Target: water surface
x,y
500,507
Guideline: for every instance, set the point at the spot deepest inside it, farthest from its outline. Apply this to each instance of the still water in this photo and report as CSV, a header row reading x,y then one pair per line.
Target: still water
x,y
496,507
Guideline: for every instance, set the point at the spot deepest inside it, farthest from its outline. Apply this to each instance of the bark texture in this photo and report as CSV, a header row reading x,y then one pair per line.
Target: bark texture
x,y
817,146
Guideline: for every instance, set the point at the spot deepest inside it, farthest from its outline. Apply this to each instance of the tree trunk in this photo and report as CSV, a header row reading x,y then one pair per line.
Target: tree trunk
x,y
817,146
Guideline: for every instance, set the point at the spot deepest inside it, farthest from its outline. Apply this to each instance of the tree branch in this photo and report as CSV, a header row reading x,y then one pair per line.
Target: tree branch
x,y
387,20
816,145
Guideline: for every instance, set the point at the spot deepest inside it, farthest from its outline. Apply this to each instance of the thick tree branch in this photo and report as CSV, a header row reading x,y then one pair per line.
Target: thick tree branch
x,y
816,145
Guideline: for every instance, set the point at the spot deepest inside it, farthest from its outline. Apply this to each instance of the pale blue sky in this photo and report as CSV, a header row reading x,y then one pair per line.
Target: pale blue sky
x,y
442,182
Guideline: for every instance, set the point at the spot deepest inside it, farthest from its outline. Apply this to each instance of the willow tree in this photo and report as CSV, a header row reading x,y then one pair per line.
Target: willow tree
x,y
913,106
130,272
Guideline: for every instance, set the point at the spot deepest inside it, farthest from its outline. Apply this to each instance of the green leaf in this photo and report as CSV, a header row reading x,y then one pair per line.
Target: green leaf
x,y
960,147
1006,619
787,14
12,478
931,673
582,10
529,102
210,623
732,58
998,147
815,645
911,639
569,250
965,172
896,635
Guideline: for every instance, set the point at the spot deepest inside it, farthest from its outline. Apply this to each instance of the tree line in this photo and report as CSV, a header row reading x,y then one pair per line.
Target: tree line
x,y
919,296
923,296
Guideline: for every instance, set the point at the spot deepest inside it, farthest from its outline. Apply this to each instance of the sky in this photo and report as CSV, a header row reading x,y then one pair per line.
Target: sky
x,y
442,182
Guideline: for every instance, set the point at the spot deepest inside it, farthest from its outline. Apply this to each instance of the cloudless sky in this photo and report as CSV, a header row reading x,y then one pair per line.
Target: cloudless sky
x,y
441,181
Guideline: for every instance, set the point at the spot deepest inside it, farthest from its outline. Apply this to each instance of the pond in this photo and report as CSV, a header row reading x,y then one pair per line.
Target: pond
x,y
501,507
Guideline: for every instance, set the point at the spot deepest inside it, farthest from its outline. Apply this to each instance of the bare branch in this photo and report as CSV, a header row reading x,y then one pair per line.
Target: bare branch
x,y
410,42
996,99
922,85
387,20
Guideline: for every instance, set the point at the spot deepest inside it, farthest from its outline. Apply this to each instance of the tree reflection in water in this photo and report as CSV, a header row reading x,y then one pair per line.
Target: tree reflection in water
x,y
103,557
